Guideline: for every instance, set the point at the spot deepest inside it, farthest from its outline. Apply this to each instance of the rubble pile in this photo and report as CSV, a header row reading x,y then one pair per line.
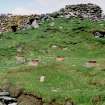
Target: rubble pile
x,y
81,10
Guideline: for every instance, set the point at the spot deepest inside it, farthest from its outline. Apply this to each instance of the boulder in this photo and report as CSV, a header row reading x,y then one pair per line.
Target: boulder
x,y
35,24
4,94
20,60
6,98
99,34
1,103
91,64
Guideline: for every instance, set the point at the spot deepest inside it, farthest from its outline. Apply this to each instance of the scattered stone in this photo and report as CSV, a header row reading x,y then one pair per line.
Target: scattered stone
x,y
69,102
20,60
60,58
1,103
33,62
35,24
4,94
13,104
91,64
5,98
42,78
99,34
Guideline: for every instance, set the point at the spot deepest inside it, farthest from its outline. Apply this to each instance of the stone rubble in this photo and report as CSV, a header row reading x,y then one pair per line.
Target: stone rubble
x,y
82,11
6,99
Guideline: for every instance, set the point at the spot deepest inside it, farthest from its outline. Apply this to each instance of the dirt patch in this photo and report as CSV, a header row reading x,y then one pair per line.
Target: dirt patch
x,y
28,99
24,98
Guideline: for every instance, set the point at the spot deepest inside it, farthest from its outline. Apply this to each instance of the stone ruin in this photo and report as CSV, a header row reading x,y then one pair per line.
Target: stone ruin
x,y
90,11
81,10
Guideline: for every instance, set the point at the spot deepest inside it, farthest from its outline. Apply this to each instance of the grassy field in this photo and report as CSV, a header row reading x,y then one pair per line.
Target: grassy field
x,y
70,78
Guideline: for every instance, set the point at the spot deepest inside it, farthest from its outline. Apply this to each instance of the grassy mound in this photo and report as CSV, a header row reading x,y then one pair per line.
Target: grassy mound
x,y
71,78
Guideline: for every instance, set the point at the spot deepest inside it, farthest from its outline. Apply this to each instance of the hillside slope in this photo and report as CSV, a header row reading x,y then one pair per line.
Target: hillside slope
x,y
63,48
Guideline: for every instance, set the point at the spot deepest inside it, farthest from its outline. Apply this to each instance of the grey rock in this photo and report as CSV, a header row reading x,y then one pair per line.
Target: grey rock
x,y
2,103
35,24
4,94
7,98
13,104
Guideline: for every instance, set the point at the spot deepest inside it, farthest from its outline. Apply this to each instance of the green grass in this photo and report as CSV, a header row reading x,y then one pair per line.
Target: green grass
x,y
70,78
